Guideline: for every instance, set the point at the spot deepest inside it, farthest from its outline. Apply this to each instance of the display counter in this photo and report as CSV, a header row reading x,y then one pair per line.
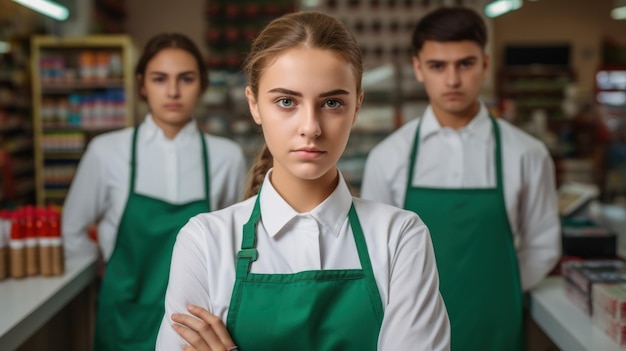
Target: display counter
x,y
559,318
28,304
566,325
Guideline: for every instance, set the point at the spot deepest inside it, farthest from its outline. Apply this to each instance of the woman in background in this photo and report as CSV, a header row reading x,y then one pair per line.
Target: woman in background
x,y
142,185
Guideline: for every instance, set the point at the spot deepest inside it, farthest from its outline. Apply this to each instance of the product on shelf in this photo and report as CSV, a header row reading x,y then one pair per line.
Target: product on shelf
x,y
82,87
581,276
609,311
35,244
5,232
17,253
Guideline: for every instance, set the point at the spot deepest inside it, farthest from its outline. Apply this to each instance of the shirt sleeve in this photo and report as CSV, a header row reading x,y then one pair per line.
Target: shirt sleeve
x,y
188,283
232,171
415,316
86,201
377,184
237,179
539,223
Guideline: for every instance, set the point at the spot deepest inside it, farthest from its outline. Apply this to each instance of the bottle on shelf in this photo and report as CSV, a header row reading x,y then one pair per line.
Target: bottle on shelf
x,y
17,250
30,241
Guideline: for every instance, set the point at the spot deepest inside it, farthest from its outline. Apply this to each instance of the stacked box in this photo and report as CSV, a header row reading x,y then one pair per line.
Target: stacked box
x,y
609,311
581,276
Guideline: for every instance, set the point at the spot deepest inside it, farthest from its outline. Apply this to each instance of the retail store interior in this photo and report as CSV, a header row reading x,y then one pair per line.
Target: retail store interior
x,y
558,71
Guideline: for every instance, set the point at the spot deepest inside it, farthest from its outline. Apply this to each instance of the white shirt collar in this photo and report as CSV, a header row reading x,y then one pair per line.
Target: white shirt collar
x,y
330,214
479,126
150,130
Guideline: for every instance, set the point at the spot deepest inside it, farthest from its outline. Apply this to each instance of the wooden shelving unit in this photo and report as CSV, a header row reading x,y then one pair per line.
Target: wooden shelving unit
x,y
81,87
16,132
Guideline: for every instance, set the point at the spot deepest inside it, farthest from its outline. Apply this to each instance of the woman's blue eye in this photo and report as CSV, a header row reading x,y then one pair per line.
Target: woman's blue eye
x,y
333,104
286,103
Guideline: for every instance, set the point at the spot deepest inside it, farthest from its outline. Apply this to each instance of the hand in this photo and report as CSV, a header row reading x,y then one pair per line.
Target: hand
x,y
207,332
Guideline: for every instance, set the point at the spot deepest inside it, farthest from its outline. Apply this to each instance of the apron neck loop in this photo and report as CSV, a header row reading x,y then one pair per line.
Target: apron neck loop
x,y
497,152
205,161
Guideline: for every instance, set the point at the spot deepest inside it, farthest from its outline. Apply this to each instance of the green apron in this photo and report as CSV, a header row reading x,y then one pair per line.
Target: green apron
x,y
131,300
312,310
478,270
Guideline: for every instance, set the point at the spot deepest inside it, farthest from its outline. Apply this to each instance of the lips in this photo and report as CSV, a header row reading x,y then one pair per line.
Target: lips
x,y
453,94
308,153
173,106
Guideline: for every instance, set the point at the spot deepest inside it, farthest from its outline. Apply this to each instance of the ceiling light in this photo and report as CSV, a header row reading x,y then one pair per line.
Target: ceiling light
x,y
619,13
5,47
48,8
500,7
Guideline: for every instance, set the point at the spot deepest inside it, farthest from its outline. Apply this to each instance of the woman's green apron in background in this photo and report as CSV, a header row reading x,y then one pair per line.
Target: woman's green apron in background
x,y
131,300
476,259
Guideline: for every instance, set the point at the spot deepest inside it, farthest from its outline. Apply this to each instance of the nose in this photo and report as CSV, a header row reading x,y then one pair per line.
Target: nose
x,y
453,78
309,126
173,90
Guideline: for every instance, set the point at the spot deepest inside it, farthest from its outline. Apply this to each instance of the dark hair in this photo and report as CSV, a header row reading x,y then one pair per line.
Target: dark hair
x,y
309,29
449,24
166,41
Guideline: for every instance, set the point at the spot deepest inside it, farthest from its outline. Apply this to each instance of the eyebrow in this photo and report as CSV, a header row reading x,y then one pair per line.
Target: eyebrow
x,y
295,93
468,58
179,74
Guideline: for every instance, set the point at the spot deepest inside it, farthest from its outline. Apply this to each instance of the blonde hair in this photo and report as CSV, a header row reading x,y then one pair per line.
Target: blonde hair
x,y
310,29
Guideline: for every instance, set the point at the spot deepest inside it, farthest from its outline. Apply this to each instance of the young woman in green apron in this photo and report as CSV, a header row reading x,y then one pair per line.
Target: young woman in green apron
x,y
303,265
449,168
143,184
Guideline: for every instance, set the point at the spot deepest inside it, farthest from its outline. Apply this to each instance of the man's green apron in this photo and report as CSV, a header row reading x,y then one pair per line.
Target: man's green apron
x,y
131,300
476,259
311,310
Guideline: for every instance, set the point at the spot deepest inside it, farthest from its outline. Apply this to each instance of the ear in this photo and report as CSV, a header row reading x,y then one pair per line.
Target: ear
x,y
417,69
359,102
253,105
485,63
142,89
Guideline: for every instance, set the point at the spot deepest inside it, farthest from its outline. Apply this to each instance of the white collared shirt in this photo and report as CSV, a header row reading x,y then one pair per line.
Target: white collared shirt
x,y
203,262
464,158
167,169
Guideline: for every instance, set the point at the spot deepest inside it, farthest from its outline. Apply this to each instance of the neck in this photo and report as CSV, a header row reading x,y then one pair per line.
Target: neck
x,y
304,194
456,119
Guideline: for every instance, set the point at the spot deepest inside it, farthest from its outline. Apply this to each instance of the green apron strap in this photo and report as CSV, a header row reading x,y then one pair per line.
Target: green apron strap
x,y
498,155
133,161
412,160
366,264
248,252
205,159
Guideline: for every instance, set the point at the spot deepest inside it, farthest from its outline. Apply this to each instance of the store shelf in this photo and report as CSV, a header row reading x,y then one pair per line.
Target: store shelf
x,y
82,87
16,131
231,26
610,100
534,87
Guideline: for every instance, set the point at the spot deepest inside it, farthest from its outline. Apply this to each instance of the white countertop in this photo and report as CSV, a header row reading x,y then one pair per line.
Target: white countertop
x,y
27,304
563,322
559,318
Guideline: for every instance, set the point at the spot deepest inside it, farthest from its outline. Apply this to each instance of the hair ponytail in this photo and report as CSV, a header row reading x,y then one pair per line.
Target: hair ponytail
x,y
262,163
